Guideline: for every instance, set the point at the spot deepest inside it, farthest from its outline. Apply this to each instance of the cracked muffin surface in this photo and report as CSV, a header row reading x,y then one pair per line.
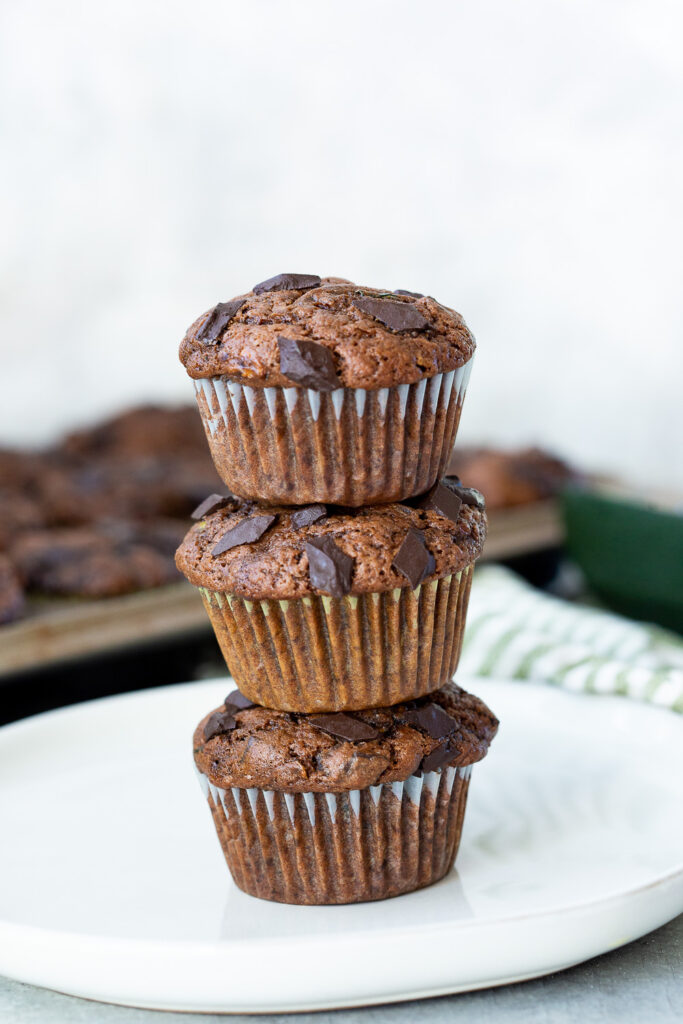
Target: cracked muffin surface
x,y
366,352
276,565
286,752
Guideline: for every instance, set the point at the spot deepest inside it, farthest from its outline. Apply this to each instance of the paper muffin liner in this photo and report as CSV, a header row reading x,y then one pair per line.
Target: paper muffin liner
x,y
324,848
340,654
349,446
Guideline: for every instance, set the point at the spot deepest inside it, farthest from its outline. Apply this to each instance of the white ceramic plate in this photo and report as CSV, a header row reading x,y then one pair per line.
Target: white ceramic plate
x,y
112,884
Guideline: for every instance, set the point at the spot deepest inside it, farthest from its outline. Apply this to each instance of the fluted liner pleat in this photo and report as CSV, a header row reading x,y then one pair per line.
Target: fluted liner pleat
x,y
350,446
324,848
340,654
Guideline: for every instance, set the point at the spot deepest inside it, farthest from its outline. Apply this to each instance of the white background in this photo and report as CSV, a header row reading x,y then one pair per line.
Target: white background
x,y
520,161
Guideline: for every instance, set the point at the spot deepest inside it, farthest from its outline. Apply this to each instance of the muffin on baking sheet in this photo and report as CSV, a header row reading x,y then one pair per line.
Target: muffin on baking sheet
x,y
320,390
105,559
12,600
341,808
510,478
151,431
326,609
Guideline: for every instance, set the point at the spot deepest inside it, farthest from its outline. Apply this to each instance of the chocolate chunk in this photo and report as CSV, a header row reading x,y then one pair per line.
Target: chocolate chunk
x,y
346,727
467,495
397,316
245,532
432,718
218,319
308,363
471,496
219,722
443,500
413,295
236,701
439,757
414,559
286,283
328,566
307,516
211,504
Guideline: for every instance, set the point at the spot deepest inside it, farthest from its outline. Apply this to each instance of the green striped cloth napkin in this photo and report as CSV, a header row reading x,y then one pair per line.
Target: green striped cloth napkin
x,y
516,632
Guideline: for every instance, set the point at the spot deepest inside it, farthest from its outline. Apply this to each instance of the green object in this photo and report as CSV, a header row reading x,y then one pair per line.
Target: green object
x,y
630,553
515,631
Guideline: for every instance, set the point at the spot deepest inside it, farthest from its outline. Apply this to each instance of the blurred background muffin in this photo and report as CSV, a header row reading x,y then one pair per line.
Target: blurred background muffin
x,y
101,512
508,478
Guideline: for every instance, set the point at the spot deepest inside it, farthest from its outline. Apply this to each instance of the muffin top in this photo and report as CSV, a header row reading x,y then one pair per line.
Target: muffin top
x,y
280,553
145,430
513,477
99,560
243,745
298,330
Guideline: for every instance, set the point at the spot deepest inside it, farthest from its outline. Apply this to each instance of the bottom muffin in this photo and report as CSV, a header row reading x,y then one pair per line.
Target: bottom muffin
x,y
341,808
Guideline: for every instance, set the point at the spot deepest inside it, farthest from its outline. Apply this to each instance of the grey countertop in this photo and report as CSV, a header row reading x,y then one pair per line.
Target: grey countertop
x,y
642,982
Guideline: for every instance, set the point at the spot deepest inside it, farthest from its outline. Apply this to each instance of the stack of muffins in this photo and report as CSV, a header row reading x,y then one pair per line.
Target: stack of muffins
x,y
336,575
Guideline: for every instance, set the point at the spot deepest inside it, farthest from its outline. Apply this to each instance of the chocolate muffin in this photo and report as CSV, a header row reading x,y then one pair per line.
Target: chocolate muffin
x,y
21,504
21,468
12,603
103,560
18,513
76,490
326,609
340,808
320,390
146,430
509,478
100,512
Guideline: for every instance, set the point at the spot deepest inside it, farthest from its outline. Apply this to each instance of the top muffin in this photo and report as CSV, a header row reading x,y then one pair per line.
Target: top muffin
x,y
373,338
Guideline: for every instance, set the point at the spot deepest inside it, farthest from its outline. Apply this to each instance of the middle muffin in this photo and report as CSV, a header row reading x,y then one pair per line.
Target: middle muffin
x,y
327,609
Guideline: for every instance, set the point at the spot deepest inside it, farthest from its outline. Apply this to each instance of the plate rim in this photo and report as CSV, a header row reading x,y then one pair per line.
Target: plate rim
x,y
73,943
395,930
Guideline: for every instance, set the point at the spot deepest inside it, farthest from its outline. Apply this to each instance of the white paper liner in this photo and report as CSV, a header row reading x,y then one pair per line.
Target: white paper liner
x,y
341,847
219,393
349,446
321,653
